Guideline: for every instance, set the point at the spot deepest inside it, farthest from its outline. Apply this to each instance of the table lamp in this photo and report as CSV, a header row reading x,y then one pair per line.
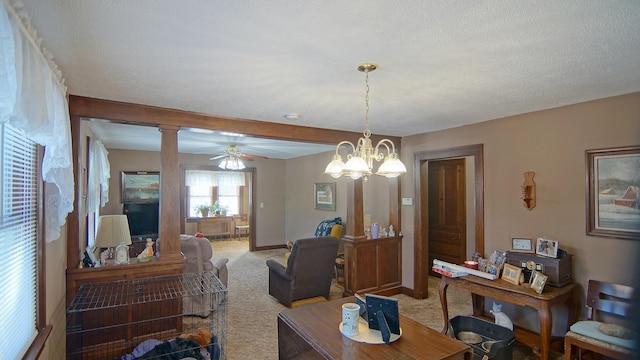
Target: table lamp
x,y
113,231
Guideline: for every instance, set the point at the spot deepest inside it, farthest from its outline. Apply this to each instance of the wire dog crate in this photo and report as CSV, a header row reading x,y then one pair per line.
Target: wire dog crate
x,y
161,317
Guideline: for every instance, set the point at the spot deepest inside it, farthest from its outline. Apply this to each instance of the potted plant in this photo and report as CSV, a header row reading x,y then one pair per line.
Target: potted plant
x,y
202,209
219,209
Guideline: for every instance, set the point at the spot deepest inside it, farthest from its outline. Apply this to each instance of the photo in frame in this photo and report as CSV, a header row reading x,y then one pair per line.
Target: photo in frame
x,y
511,274
140,186
522,244
538,281
613,186
546,247
324,196
493,269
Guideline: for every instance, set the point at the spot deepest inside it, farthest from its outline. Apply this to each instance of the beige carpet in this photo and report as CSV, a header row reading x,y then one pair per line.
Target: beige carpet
x,y
252,326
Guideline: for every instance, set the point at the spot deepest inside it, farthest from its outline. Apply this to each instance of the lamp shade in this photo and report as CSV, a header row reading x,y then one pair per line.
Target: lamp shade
x,y
113,230
392,167
231,163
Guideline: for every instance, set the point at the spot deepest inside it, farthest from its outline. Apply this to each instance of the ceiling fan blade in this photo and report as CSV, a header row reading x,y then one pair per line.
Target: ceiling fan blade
x,y
254,156
217,157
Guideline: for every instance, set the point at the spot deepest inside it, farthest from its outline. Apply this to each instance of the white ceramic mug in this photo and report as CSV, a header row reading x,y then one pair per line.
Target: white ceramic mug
x,y
350,315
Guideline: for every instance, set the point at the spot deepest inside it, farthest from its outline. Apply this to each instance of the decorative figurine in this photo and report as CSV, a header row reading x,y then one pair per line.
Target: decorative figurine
x,y
392,232
147,253
501,318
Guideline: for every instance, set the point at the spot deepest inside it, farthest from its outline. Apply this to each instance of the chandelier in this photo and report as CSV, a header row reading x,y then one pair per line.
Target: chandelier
x,y
231,159
360,160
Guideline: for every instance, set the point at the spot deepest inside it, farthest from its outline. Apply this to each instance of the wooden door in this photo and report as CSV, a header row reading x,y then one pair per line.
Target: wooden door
x,y
447,212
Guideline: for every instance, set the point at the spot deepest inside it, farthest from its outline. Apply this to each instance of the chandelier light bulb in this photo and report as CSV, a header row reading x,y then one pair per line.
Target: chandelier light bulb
x,y
391,167
335,167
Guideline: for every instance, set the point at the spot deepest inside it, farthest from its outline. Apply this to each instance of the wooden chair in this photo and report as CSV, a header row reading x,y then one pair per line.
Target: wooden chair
x,y
607,298
242,225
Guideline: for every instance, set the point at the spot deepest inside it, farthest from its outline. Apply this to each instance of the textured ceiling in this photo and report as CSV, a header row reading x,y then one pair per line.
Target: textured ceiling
x,y
441,64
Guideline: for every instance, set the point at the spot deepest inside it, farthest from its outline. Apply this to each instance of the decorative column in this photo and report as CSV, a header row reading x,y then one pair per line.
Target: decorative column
x,y
355,210
169,194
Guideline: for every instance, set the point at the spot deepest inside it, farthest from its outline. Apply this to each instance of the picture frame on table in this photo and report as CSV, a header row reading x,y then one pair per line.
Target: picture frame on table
x,y
522,245
324,196
89,257
511,274
547,247
140,187
611,192
538,281
493,269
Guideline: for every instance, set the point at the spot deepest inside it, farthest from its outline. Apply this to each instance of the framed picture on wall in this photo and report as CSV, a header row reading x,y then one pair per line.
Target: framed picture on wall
x,y
325,196
613,198
140,186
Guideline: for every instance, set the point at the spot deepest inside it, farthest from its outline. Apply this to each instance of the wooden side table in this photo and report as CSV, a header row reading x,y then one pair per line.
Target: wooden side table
x,y
520,295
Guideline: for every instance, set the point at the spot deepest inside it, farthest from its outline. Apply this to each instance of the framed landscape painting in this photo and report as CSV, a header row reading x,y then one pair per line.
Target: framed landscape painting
x,y
613,192
325,196
140,186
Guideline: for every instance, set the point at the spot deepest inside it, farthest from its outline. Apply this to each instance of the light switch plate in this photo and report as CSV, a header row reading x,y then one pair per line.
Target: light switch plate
x,y
407,201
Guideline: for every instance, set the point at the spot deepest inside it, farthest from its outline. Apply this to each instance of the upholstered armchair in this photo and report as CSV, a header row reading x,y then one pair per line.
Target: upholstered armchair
x,y
198,257
308,273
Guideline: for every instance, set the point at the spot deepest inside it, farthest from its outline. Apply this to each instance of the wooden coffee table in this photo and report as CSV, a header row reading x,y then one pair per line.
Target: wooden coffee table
x,y
311,332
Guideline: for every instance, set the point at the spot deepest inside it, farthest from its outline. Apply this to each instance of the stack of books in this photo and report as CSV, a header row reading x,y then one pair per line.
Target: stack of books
x,y
448,271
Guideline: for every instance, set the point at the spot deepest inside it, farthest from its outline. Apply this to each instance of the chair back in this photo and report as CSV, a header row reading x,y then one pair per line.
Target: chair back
x,y
312,258
611,298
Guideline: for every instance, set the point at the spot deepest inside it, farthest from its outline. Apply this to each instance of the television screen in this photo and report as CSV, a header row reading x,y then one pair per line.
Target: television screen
x,y
143,219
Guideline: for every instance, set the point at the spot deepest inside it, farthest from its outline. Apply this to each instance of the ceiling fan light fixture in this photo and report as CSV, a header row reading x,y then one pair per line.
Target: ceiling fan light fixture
x,y
360,160
231,163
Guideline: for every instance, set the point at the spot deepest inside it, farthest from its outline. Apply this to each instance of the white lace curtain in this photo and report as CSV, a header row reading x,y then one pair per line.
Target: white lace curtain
x,y
99,174
33,98
213,178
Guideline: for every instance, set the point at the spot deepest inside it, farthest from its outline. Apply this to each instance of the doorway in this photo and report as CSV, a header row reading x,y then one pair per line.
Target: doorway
x,y
422,264
249,198
447,232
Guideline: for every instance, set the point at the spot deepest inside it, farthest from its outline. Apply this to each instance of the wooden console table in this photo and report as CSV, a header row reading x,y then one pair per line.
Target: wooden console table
x,y
311,332
210,226
514,294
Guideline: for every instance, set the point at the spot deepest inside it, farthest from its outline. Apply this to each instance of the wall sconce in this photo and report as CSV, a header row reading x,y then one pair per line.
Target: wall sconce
x,y
529,190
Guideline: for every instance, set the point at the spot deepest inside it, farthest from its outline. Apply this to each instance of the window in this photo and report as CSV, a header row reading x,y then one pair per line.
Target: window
x,y
198,195
205,187
228,197
20,242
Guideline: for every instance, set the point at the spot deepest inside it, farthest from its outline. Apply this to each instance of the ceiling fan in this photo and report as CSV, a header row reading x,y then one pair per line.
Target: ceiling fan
x,y
233,152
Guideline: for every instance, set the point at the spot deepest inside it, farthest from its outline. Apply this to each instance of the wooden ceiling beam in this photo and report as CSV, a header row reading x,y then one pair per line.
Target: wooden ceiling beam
x,y
137,114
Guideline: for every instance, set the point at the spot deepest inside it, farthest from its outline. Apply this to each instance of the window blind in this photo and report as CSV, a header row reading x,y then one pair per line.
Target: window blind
x,y
18,241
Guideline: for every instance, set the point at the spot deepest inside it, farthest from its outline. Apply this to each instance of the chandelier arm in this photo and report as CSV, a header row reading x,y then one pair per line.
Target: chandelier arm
x,y
345,142
385,143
